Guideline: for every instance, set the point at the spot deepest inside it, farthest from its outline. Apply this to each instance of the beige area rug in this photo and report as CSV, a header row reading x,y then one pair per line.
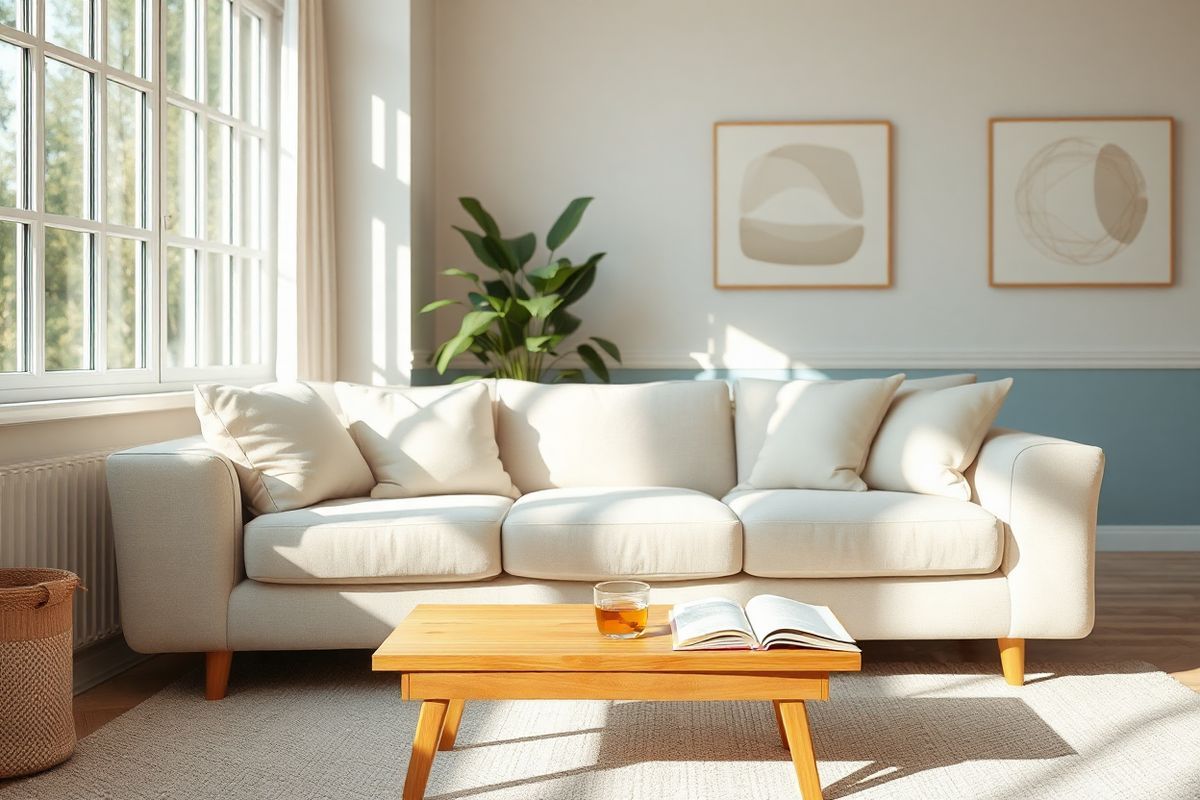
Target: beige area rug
x,y
320,726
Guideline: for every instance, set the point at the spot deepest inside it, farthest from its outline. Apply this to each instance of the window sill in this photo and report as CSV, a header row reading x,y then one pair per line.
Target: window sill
x,y
75,408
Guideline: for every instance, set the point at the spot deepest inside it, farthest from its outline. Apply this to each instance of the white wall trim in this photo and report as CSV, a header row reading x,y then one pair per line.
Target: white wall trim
x,y
73,408
101,661
1148,538
897,359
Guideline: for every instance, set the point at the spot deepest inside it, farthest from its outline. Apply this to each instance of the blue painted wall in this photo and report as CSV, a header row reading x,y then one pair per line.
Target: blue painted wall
x,y
1147,421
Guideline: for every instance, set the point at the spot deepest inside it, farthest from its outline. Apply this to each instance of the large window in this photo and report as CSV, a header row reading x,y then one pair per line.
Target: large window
x,y
136,152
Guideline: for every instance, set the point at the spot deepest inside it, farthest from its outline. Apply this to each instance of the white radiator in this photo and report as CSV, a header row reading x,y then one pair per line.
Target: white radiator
x,y
54,513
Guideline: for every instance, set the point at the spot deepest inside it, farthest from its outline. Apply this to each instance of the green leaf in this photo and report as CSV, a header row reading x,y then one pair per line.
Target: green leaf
x,y
550,277
485,301
467,378
569,376
436,304
608,347
523,248
481,217
563,322
455,272
479,246
566,223
593,360
476,322
581,281
542,306
451,350
497,289
539,344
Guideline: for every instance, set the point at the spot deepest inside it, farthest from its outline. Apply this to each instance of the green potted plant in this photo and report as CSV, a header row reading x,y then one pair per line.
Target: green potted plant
x,y
519,323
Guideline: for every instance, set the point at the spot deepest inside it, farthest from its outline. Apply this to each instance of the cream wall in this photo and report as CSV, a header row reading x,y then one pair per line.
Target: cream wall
x,y
538,101
380,71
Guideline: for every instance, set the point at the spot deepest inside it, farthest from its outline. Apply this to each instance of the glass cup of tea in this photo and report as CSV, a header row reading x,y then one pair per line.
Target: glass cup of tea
x,y
622,608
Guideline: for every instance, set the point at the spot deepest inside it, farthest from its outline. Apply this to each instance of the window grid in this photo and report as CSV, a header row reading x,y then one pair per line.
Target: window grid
x,y
200,253
32,380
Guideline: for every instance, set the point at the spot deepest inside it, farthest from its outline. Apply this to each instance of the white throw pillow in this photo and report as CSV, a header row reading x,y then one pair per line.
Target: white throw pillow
x,y
820,434
756,399
422,442
288,447
930,437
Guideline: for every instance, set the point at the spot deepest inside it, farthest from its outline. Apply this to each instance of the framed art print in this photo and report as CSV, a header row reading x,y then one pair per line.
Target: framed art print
x,y
802,205
1086,201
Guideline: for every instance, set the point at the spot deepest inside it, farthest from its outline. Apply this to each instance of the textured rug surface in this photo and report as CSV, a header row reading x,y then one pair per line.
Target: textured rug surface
x,y
321,726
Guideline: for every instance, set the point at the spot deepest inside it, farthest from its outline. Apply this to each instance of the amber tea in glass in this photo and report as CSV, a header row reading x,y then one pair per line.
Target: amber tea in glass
x,y
622,608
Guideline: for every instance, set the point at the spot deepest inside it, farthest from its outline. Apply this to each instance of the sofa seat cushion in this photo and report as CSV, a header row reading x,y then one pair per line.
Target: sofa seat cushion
x,y
593,534
806,533
409,540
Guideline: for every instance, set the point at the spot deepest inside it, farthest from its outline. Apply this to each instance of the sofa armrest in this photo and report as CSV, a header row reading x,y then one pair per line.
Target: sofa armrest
x,y
177,522
1046,491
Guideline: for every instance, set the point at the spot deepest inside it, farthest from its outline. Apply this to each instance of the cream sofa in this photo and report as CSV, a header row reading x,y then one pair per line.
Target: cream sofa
x,y
629,481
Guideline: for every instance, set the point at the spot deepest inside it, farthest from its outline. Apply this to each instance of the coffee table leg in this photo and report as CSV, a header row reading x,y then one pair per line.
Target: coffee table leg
x,y
799,736
450,726
425,742
779,724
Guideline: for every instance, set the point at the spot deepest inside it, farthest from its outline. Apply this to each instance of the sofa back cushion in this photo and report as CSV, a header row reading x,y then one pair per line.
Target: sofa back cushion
x,y
420,442
675,433
287,445
821,432
757,401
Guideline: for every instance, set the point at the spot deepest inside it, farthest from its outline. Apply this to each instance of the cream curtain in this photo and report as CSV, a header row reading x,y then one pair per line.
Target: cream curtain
x,y
307,288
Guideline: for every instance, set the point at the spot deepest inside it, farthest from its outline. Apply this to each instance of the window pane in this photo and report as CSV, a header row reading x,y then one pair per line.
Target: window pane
x,y
68,138
218,56
126,35
179,21
126,304
12,126
214,312
126,128
247,302
68,299
219,182
69,24
12,263
12,13
179,155
250,73
250,222
181,304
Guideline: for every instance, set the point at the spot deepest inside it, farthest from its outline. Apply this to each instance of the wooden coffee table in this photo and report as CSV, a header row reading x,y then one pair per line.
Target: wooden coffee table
x,y
448,654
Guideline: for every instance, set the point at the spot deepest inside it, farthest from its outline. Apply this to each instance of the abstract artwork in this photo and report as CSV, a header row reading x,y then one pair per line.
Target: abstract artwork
x,y
1082,202
802,205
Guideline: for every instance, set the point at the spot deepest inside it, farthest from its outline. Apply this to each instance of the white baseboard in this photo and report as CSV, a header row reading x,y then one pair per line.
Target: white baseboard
x,y
1148,538
886,359
101,661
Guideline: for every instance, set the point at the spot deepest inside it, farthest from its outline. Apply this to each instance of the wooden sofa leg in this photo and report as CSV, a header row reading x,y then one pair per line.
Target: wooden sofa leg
x,y
216,673
1012,659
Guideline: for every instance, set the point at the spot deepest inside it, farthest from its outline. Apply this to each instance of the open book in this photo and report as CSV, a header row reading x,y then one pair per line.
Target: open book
x,y
768,621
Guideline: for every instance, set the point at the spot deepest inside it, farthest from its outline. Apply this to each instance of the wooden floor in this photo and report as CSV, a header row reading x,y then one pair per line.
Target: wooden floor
x,y
1147,609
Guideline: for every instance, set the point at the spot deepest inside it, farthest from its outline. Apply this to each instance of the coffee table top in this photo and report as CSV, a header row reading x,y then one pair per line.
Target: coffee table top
x,y
563,638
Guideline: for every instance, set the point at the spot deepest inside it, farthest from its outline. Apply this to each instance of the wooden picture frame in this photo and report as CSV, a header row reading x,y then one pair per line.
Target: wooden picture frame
x,y
1100,246
827,159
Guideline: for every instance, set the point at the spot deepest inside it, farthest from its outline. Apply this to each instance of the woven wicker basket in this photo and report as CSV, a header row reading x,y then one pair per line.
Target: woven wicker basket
x,y
37,729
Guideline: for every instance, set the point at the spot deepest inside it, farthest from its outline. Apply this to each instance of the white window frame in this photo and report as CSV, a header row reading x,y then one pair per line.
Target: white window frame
x,y
35,383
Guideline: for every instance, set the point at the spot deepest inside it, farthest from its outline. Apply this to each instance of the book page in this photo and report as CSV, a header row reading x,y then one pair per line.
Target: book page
x,y
698,620
770,614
